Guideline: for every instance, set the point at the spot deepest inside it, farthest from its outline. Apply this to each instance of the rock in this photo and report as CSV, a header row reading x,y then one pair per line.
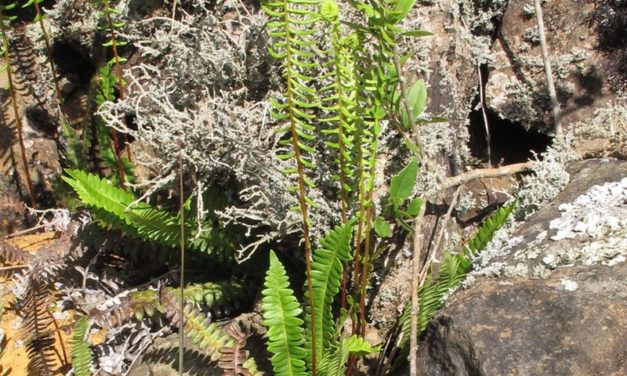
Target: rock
x,y
587,77
572,323
558,304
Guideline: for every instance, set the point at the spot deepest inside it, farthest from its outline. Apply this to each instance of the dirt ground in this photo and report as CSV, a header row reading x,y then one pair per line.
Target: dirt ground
x,y
14,359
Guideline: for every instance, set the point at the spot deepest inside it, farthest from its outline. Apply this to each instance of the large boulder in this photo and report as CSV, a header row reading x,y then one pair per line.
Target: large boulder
x,y
550,297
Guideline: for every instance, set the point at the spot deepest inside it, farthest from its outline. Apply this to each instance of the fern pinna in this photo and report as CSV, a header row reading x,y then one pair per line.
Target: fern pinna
x,y
292,27
81,352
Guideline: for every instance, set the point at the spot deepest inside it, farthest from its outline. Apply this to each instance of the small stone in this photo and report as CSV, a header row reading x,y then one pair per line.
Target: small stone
x,y
569,285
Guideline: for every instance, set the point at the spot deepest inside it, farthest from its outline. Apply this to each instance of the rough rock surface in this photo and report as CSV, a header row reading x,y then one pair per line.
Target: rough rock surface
x,y
587,74
568,319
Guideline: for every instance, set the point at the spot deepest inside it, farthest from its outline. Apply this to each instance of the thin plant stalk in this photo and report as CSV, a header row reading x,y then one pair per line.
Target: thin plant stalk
x,y
117,71
547,69
485,116
182,266
16,112
53,69
417,240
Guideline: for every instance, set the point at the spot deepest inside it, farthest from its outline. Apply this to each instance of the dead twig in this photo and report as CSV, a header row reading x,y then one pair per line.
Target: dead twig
x,y
485,173
547,69
415,286
485,116
433,253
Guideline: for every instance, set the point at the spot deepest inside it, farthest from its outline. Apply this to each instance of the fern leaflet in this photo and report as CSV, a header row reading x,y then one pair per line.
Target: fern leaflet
x,y
327,268
281,313
81,353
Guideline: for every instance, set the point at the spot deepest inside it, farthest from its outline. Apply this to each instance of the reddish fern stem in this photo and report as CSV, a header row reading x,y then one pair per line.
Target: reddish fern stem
x,y
117,71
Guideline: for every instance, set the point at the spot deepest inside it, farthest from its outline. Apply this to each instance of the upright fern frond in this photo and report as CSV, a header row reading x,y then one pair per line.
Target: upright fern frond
x,y
281,313
39,18
327,268
292,26
103,90
340,100
4,20
81,353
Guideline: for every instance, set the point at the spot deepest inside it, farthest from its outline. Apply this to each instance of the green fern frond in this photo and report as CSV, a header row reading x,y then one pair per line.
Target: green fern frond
x,y
76,150
327,267
453,271
340,99
281,313
81,353
291,27
103,91
112,208
334,361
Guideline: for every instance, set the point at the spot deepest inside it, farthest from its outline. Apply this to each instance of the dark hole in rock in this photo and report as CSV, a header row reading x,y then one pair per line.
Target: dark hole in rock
x,y
72,61
510,142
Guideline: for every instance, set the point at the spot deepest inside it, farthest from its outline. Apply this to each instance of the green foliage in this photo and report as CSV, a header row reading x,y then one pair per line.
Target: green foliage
x,y
103,90
288,340
108,23
334,361
453,270
281,313
402,184
81,353
34,4
117,209
327,268
291,26
382,227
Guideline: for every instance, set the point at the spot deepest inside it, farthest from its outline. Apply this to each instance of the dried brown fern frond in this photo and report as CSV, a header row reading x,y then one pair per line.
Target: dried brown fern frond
x,y
9,253
35,331
41,354
235,360
12,204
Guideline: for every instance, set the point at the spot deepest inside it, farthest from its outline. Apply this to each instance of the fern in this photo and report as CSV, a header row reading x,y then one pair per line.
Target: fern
x,y
342,100
116,208
201,331
327,267
281,313
453,271
334,362
234,361
81,353
39,18
103,91
4,19
38,338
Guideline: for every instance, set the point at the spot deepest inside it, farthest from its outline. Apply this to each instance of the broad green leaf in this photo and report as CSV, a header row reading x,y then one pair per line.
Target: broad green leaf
x,y
401,9
417,98
382,227
402,184
417,33
414,207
